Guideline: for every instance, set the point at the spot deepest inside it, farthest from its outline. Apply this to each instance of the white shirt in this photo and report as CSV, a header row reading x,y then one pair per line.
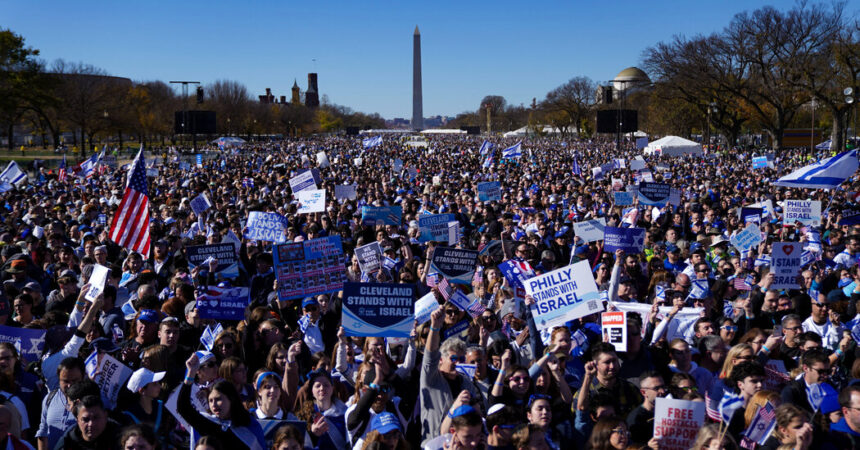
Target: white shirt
x,y
830,335
845,260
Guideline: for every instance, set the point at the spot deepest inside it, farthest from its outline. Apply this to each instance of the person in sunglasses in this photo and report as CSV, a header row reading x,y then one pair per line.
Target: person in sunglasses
x,y
440,378
824,321
816,369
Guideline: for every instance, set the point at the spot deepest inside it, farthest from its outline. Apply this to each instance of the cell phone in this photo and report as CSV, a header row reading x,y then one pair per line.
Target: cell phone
x,y
777,330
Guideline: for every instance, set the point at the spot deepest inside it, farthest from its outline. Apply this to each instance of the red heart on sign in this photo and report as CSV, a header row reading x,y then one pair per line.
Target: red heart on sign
x,y
787,249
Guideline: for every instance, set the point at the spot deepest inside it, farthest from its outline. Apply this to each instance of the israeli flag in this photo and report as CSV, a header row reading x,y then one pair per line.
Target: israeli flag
x,y
514,151
729,404
825,174
372,141
88,167
489,161
486,147
13,174
576,169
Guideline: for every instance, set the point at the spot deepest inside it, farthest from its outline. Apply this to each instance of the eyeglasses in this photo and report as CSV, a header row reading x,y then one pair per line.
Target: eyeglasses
x,y
621,431
821,371
729,328
759,342
519,379
457,358
488,318
655,388
797,328
451,312
822,305
688,388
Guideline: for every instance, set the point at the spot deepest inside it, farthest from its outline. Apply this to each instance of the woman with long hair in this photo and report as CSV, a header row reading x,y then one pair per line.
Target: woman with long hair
x,y
737,354
144,406
324,413
270,399
513,386
234,370
229,421
227,344
710,437
276,360
609,434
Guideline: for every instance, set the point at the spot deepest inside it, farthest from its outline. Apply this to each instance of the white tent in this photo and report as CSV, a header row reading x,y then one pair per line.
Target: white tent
x,y
229,141
443,131
673,146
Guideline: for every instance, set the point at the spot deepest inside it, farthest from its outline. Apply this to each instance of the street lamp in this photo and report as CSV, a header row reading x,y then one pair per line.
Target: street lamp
x,y
712,108
849,99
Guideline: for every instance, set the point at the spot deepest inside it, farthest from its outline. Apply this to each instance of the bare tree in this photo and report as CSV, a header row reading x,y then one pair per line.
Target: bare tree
x,y
573,98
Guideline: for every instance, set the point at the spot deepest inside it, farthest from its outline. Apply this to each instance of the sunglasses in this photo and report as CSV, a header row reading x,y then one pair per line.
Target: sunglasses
x,y
519,379
457,358
729,328
451,312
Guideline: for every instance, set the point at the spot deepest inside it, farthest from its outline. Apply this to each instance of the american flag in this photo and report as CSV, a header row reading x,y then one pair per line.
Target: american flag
x,y
444,288
762,424
248,182
61,174
130,225
476,308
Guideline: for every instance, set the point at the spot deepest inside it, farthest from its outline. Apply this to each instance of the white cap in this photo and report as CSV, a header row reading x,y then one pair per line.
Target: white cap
x,y
203,356
141,377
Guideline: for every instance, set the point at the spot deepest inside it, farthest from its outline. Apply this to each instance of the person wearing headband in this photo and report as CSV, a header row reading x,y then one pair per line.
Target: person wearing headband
x,y
269,393
325,414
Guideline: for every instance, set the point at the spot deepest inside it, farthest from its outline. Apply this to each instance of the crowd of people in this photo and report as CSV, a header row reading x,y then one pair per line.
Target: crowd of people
x,y
289,377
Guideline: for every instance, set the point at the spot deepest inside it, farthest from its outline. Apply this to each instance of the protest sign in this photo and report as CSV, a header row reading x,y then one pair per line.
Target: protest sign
x,y
489,191
563,294
785,265
151,172
675,196
759,162
302,181
614,326
397,165
369,257
263,226
654,194
677,422
345,192
307,268
623,198
641,142
223,303
647,176
378,309
453,233
776,375
747,238
751,215
807,212
617,184
434,227
457,265
590,230
516,272
631,240
225,253
97,282
425,306
322,160
637,163
596,173
766,208
111,376
198,158
310,201
200,204
381,215
29,341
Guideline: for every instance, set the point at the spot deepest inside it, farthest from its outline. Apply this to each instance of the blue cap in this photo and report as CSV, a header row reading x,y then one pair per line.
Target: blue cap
x,y
385,422
830,404
149,315
462,411
670,247
695,246
104,344
581,250
309,301
559,234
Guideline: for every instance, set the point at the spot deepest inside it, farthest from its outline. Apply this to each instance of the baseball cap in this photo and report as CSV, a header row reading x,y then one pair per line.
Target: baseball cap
x,y
308,301
104,344
384,422
141,377
149,315
203,356
190,307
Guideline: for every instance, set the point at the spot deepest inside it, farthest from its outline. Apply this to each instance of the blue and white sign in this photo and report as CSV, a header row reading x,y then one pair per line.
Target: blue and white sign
x,y
751,215
199,159
303,181
425,306
654,194
369,257
759,162
310,201
489,191
200,204
309,268
807,212
623,198
228,263
455,264
397,165
381,215
590,230
378,309
434,227
30,342
562,295
223,303
785,265
747,238
631,240
264,226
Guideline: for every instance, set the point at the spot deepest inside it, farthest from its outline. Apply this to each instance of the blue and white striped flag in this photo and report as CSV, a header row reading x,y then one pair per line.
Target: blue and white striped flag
x,y
486,147
372,141
827,174
762,424
87,168
730,403
514,151
576,169
489,161
13,174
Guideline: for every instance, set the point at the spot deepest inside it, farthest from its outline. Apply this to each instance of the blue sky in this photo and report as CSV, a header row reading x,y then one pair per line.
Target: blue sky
x,y
363,49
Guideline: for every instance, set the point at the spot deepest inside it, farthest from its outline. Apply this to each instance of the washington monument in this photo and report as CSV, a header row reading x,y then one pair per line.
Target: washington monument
x,y
417,102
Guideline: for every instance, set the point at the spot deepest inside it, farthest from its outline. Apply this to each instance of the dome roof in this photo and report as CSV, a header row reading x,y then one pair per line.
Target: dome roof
x,y
632,74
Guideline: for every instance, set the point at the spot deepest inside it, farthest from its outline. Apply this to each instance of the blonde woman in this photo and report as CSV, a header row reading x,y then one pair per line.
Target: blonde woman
x,y
736,355
710,438
793,430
